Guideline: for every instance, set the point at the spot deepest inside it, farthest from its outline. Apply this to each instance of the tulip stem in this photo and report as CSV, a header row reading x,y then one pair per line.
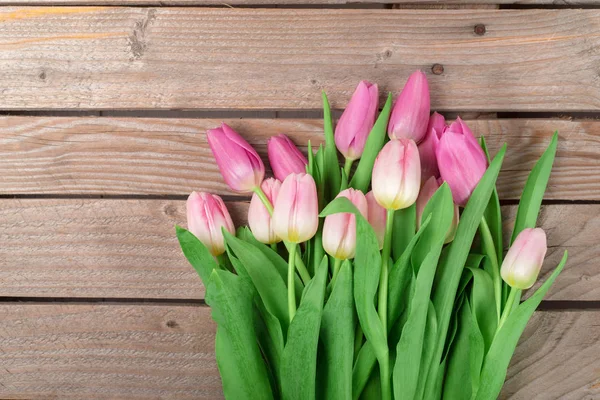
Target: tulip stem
x,y
383,277
336,270
348,167
290,282
274,247
508,308
298,261
490,249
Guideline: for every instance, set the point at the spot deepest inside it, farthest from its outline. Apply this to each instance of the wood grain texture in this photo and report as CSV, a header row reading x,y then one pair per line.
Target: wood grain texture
x,y
157,156
62,351
75,351
128,249
164,58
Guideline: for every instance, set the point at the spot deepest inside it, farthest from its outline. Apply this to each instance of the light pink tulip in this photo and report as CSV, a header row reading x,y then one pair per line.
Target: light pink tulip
x,y
239,163
524,259
259,219
377,216
410,114
397,174
461,161
296,211
339,230
426,193
206,215
435,129
284,157
356,122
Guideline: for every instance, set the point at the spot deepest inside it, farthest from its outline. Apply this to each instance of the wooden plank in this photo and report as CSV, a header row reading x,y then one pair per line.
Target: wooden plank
x,y
66,351
140,58
157,156
58,351
128,249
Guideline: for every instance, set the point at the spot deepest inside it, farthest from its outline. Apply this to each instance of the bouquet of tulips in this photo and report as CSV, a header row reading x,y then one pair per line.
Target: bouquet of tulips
x,y
384,278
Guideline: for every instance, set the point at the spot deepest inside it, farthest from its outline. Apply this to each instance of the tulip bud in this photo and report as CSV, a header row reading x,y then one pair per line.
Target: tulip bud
x,y
426,193
461,161
296,211
206,215
239,163
356,122
284,157
410,114
397,174
524,259
435,129
259,219
339,230
377,216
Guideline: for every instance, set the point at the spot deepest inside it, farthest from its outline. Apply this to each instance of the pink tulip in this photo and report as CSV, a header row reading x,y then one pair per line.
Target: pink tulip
x,y
206,215
426,193
296,211
259,219
356,122
239,163
524,259
435,129
397,174
461,161
377,217
410,114
284,157
339,230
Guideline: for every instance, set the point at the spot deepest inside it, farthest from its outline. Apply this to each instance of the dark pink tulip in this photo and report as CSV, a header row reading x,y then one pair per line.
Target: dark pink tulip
x,y
239,163
461,161
435,129
284,157
410,114
356,122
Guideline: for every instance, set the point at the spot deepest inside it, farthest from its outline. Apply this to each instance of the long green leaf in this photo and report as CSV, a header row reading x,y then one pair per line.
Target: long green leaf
x,y
497,360
483,305
533,193
362,176
270,340
493,215
337,336
243,371
268,282
428,349
405,226
332,165
451,269
299,361
196,253
457,384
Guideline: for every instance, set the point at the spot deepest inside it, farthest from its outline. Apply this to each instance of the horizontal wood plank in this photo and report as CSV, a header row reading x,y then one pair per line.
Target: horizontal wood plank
x,y
161,156
165,58
72,351
128,249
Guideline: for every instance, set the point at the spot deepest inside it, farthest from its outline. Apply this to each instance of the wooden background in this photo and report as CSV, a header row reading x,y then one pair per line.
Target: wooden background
x,y
104,104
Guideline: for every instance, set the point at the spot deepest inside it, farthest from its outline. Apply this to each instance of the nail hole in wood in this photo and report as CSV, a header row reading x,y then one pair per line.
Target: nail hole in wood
x,y
437,69
479,29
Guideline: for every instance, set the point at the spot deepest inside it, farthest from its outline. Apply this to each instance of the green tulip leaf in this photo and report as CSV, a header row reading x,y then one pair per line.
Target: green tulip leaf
x,y
493,215
405,226
332,163
196,253
483,305
457,384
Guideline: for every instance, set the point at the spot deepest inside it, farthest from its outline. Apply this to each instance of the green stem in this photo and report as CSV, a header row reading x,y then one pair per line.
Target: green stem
x,y
274,247
512,296
299,263
336,270
383,277
348,167
290,282
490,249
384,374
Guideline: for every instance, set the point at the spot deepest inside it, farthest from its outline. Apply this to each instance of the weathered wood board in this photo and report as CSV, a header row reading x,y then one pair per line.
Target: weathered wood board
x,y
165,58
128,249
75,351
162,156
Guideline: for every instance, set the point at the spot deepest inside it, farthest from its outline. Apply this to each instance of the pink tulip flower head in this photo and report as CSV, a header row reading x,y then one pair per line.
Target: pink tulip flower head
x,y
356,122
239,163
461,161
410,114
435,129
296,211
339,230
259,219
284,157
206,215
524,259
